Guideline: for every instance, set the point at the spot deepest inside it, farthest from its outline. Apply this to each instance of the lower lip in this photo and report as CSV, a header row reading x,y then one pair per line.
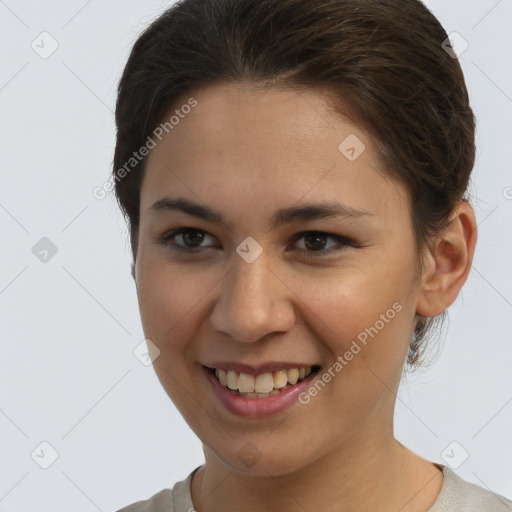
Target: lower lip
x,y
257,407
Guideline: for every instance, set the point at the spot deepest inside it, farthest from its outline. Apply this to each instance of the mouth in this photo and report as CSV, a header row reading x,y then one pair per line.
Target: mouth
x,y
261,385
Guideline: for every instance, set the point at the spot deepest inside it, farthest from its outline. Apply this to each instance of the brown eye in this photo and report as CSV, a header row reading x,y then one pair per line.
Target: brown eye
x,y
191,238
315,242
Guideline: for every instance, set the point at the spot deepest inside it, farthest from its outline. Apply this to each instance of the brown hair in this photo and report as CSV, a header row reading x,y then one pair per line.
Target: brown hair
x,y
383,59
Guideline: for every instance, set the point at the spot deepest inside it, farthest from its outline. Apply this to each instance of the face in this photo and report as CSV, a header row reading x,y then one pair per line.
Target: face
x,y
270,283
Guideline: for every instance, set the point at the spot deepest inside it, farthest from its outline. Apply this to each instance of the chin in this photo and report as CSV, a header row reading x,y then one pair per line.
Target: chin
x,y
254,458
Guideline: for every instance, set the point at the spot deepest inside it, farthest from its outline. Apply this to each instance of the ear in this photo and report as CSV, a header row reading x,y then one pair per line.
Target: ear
x,y
447,262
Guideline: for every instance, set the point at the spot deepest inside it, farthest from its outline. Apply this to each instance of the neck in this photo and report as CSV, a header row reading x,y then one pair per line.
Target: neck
x,y
366,472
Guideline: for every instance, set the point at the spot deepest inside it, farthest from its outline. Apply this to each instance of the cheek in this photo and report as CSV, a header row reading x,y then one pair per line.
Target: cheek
x,y
345,305
167,297
363,318
169,301
364,326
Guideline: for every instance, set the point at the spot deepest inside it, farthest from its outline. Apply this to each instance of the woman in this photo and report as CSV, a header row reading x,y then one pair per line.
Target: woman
x,y
293,173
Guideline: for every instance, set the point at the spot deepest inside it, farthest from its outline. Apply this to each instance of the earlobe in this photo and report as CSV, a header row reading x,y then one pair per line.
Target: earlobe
x,y
448,262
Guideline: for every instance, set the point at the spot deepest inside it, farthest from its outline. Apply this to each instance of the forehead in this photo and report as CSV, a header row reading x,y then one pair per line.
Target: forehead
x,y
233,112
243,144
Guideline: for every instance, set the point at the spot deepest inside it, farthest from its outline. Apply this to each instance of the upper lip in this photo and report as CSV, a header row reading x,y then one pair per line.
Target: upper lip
x,y
256,369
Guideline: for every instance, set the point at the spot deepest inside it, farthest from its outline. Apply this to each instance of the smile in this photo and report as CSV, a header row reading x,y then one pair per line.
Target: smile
x,y
262,385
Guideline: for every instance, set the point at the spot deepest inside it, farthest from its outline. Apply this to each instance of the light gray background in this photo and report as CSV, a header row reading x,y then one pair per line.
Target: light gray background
x,y
69,326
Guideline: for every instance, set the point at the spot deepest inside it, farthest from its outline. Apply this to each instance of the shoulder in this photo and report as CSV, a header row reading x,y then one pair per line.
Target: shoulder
x,y
158,502
459,495
177,499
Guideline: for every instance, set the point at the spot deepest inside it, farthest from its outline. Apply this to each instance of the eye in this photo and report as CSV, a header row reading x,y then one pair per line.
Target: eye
x,y
191,236
314,241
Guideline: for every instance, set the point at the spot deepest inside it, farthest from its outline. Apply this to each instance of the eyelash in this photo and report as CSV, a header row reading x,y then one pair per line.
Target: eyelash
x,y
168,237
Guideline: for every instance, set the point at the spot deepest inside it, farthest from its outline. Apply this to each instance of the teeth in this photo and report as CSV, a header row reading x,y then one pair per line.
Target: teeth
x,y
246,383
280,379
293,376
232,379
263,385
223,377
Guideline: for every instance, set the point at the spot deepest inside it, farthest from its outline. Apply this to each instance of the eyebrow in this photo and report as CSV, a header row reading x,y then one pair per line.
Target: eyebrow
x,y
280,217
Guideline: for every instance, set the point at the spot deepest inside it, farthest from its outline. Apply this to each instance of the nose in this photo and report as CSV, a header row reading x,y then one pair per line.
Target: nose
x,y
254,302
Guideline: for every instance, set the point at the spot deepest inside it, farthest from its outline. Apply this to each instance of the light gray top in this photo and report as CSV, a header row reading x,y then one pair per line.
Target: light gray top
x,y
457,495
